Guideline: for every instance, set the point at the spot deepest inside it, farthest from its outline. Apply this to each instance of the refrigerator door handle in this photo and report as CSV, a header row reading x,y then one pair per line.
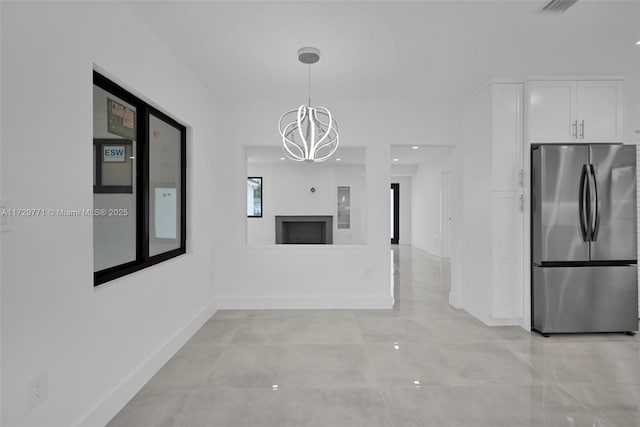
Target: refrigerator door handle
x,y
584,215
596,203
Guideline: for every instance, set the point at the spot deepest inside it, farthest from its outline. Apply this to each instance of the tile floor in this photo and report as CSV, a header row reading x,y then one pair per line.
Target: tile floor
x,y
420,364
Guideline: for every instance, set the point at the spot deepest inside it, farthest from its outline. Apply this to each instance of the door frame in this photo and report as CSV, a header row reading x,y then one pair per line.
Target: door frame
x,y
396,213
445,214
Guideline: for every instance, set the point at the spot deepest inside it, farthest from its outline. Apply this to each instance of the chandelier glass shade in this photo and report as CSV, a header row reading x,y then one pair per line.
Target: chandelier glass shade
x,y
309,134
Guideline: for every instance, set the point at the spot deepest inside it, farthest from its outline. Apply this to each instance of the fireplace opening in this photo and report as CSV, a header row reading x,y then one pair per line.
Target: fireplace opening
x,y
304,233
304,230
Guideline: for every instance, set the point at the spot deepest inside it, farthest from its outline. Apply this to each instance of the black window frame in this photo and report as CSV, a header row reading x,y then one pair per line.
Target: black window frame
x,y
143,260
396,213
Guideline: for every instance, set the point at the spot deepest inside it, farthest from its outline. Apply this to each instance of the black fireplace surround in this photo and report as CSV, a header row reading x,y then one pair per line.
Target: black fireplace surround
x,y
304,230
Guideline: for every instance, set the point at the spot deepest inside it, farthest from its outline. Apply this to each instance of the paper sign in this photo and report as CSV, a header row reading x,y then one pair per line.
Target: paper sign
x,y
113,154
127,118
165,213
121,120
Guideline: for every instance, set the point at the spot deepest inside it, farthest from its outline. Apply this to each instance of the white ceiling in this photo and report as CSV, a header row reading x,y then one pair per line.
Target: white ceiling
x,y
401,67
407,155
429,50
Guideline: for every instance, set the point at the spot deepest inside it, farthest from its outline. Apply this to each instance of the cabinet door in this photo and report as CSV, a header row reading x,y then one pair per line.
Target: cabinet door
x,y
552,111
599,111
507,137
507,254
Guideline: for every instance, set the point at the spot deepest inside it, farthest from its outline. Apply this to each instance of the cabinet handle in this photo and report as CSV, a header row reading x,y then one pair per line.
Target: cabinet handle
x,y
521,178
521,199
575,129
582,129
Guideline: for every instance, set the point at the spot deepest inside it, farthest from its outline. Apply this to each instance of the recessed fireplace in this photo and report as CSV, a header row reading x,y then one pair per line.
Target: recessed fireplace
x,y
304,230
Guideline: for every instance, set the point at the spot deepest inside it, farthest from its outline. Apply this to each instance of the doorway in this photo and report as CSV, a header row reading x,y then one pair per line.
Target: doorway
x,y
445,213
395,213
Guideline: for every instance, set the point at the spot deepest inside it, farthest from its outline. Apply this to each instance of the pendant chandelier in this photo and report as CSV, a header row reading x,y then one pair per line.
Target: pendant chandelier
x,y
309,134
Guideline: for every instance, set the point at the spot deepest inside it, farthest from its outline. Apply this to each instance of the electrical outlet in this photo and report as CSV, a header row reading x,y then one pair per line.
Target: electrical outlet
x,y
38,390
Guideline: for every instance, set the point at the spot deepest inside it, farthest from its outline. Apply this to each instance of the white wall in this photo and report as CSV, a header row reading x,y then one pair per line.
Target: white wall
x,y
405,208
287,191
97,346
290,276
427,205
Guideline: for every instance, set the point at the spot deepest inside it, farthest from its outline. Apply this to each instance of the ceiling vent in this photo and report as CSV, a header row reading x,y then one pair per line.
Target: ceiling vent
x,y
558,6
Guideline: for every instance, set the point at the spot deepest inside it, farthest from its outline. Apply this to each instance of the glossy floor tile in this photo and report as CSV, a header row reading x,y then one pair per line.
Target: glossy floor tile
x,y
285,408
422,364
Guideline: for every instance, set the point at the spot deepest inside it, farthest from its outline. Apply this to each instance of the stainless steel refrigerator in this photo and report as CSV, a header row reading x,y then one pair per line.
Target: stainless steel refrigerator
x,y
583,213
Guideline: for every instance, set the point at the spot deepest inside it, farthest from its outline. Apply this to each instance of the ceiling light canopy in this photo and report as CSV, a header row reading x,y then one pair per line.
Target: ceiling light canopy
x,y
558,6
309,134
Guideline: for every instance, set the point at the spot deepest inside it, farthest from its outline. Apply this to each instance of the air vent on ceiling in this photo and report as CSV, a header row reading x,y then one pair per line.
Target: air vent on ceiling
x,y
558,6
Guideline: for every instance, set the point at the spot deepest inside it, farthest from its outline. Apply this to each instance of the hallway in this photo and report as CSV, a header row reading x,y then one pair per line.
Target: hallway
x,y
421,364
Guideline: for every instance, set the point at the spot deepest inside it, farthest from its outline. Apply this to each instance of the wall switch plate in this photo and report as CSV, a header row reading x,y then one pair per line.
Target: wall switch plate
x,y
38,390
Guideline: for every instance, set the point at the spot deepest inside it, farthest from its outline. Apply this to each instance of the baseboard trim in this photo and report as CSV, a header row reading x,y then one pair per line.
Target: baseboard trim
x,y
284,303
108,407
491,321
428,249
511,321
455,300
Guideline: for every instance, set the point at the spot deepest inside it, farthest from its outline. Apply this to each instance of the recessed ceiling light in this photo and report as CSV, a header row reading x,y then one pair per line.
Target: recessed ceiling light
x,y
395,160
281,158
415,147
338,159
638,42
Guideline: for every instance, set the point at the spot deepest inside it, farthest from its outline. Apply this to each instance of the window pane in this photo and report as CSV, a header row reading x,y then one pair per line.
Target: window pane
x,y
164,186
114,235
393,220
254,196
118,172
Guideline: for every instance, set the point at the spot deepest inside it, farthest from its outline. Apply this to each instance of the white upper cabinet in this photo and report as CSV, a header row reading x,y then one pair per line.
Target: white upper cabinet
x,y
552,111
575,111
599,111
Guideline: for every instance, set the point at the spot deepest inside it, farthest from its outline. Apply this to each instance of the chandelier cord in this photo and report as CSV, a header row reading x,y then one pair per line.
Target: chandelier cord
x,y
309,85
